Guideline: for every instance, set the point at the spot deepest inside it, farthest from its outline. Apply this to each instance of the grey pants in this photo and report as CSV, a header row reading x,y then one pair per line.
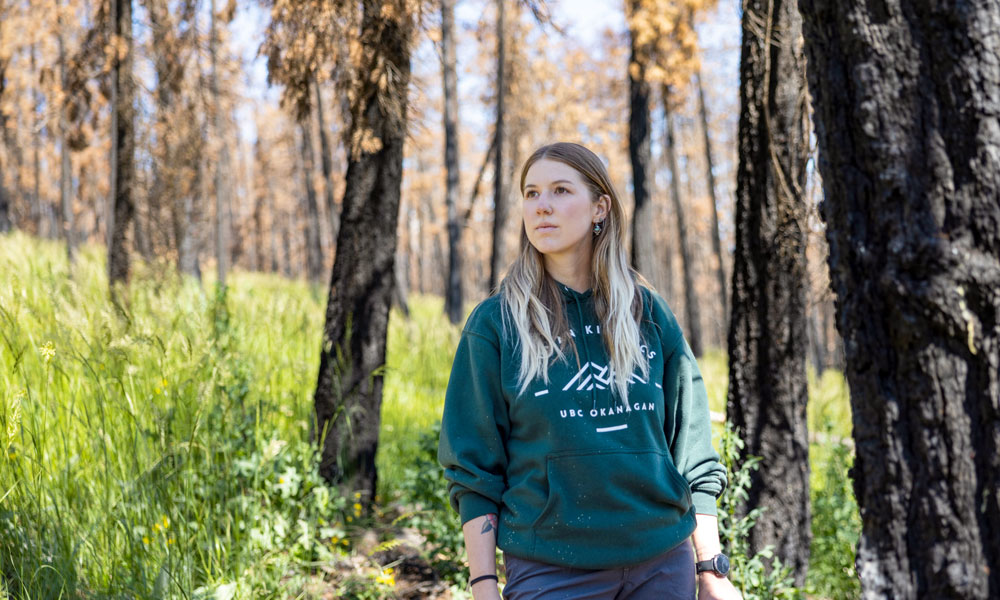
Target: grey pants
x,y
669,576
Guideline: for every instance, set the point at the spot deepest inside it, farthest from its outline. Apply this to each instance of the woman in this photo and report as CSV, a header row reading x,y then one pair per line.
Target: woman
x,y
576,433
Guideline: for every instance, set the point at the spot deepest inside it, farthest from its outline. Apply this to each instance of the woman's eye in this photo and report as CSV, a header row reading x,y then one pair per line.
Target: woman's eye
x,y
561,190
530,194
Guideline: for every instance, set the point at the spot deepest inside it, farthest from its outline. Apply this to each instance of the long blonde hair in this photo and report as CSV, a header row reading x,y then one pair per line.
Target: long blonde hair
x,y
533,302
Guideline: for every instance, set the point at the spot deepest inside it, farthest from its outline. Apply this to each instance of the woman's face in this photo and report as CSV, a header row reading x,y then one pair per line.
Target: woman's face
x,y
559,209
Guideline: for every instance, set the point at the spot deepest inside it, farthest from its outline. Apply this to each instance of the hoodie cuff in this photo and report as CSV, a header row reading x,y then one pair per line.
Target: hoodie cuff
x,y
704,504
472,505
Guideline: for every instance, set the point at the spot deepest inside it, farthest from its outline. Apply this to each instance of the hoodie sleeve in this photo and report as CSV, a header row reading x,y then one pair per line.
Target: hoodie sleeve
x,y
691,436
474,427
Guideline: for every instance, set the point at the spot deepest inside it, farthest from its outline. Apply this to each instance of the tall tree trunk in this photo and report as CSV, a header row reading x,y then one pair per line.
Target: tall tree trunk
x,y
905,96
123,146
643,242
187,252
693,315
500,185
314,247
273,227
767,334
453,289
260,195
37,212
326,156
5,216
349,389
720,270
286,246
222,168
65,166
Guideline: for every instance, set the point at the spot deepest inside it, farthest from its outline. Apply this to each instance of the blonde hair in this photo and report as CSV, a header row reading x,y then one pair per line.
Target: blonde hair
x,y
534,303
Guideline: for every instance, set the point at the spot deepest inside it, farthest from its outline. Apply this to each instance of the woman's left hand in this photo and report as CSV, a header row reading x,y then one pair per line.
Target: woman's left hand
x,y
713,587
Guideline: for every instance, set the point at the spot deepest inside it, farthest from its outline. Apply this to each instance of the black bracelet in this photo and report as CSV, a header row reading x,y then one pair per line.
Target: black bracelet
x,y
481,578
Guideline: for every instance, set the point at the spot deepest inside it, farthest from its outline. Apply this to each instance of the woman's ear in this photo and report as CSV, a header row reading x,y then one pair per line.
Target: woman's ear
x,y
601,208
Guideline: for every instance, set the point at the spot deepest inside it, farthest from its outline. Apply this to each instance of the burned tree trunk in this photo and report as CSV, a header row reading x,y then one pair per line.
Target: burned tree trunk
x,y
5,220
767,332
500,187
348,396
691,313
720,269
314,246
906,103
453,285
643,242
326,160
122,145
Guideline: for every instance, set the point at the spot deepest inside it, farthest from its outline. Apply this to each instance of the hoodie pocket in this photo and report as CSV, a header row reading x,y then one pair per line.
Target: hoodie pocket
x,y
621,496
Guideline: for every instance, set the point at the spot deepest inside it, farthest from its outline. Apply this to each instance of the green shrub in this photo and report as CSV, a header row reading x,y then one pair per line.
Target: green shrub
x,y
836,527
425,490
755,579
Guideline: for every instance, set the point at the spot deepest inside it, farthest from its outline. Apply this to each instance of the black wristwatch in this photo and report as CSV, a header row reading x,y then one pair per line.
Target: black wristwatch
x,y
718,564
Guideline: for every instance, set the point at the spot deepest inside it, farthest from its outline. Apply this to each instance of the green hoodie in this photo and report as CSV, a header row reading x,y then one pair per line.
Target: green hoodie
x,y
578,478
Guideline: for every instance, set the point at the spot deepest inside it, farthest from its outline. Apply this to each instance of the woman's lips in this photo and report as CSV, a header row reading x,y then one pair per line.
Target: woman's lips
x,y
545,228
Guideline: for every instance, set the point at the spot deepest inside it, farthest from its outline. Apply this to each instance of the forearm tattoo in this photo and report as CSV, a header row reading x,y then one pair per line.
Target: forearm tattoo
x,y
490,524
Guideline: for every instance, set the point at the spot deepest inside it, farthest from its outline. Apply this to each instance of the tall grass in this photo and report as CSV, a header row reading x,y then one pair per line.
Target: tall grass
x,y
158,448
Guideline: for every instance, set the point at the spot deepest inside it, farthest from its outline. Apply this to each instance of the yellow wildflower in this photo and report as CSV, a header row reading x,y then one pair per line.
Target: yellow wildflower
x,y
165,521
156,391
357,509
281,480
48,351
170,541
156,528
386,578
145,540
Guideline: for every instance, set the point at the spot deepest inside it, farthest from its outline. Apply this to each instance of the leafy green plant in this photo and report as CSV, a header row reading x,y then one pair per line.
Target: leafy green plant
x,y
836,527
755,579
424,490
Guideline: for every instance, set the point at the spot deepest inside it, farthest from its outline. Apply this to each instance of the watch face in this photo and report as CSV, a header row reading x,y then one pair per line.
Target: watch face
x,y
721,564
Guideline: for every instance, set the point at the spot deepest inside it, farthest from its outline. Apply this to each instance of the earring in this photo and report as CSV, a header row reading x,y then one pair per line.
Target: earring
x,y
597,228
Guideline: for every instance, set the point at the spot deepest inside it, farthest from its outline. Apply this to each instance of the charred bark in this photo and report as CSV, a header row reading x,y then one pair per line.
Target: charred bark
x,y
453,287
643,242
122,145
500,186
349,388
905,98
326,160
768,331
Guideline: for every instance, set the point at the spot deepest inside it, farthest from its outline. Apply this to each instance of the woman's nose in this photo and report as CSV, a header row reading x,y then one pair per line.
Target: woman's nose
x,y
543,206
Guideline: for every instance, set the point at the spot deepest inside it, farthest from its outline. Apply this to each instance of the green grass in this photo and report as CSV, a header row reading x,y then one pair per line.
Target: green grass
x,y
156,449
162,449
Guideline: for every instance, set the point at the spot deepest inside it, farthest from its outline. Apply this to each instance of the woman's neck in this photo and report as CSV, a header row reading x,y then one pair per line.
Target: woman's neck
x,y
571,271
